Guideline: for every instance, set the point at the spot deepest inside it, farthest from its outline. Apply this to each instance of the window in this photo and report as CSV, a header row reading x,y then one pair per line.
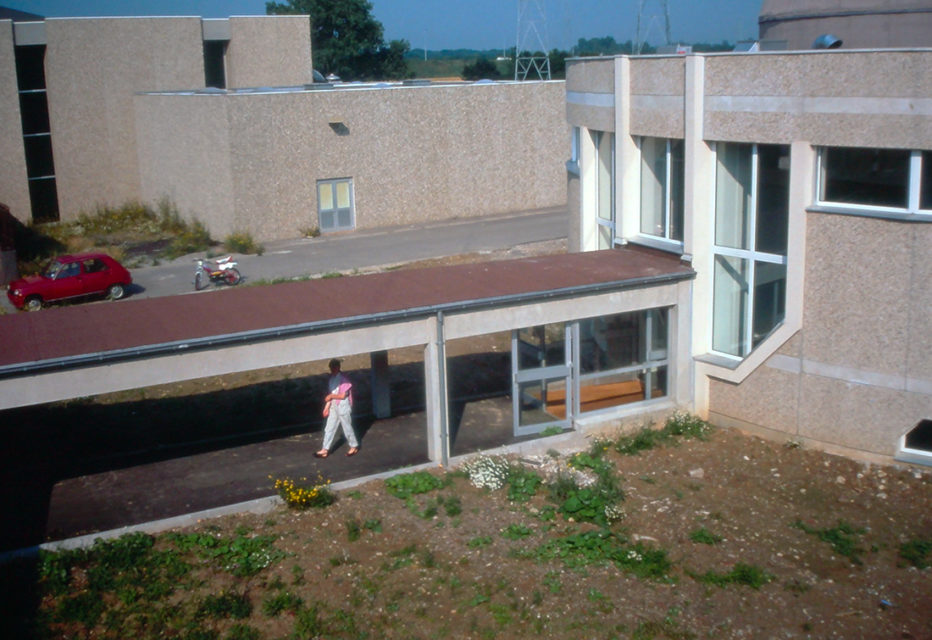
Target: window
x,y
751,224
37,139
894,180
662,178
214,71
604,143
622,359
335,208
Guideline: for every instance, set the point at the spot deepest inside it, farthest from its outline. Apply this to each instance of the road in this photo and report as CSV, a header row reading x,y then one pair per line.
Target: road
x,y
365,249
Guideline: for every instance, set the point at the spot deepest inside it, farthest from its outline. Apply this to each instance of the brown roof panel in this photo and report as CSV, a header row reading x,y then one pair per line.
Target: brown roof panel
x,y
131,324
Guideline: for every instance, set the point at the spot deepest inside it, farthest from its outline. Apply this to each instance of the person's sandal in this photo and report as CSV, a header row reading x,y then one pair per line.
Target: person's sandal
x,y
321,454
352,452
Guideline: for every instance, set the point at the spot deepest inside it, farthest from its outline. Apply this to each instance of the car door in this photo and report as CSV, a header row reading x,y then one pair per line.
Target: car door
x,y
96,276
67,282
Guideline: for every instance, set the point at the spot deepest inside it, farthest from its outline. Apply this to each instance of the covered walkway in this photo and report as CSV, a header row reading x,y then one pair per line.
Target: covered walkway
x,y
72,352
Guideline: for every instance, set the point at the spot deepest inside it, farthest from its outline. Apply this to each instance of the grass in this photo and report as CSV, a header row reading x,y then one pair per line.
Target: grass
x,y
360,565
131,233
843,539
741,574
243,242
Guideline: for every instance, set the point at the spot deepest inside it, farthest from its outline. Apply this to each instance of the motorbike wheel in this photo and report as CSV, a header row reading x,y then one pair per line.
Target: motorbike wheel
x,y
232,276
199,280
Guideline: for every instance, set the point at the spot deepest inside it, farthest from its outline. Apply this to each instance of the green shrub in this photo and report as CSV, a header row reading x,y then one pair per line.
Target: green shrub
x,y
226,605
841,537
283,601
406,485
242,242
704,536
916,552
741,574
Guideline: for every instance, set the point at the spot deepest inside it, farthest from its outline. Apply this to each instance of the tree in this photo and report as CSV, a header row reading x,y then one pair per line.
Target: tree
x,y
483,68
346,39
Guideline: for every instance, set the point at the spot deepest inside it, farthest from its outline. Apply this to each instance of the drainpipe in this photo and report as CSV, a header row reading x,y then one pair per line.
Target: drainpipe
x,y
442,383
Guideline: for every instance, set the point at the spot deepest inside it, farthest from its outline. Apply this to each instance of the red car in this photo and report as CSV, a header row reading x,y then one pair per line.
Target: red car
x,y
67,277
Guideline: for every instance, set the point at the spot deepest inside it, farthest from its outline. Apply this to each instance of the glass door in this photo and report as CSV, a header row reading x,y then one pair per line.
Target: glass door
x,y
541,387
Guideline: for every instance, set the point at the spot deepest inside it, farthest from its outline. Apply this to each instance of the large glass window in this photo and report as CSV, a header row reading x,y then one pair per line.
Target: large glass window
x,y
876,179
751,225
335,205
604,143
622,358
662,177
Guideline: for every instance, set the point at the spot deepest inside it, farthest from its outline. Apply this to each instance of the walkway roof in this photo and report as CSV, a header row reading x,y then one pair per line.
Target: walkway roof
x,y
93,334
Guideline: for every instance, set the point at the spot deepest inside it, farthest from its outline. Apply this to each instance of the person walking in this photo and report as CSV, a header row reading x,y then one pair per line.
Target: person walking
x,y
338,407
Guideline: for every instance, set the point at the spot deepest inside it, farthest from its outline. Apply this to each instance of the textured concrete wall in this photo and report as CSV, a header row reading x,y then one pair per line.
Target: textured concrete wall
x,y
14,190
177,162
269,51
823,98
657,97
590,90
859,374
415,154
93,68
859,23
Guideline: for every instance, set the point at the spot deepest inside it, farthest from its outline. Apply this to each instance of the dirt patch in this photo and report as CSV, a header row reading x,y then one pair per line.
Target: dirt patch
x,y
373,565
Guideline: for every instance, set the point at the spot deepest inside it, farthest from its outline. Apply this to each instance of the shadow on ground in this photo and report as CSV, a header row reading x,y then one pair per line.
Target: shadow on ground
x,y
75,468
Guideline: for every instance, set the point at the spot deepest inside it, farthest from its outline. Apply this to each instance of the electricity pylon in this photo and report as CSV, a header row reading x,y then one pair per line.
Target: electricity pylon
x,y
532,33
652,20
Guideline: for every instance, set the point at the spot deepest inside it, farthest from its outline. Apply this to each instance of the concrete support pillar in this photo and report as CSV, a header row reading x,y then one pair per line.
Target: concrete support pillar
x,y
435,383
381,384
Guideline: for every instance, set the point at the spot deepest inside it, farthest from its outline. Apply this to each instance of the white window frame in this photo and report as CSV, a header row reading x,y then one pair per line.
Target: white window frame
x,y
333,182
912,209
664,242
752,256
611,222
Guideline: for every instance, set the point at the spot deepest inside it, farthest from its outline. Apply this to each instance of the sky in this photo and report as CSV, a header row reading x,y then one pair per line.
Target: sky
x,y
475,24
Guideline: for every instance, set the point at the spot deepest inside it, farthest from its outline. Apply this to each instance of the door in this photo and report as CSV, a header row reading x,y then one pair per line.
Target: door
x,y
542,382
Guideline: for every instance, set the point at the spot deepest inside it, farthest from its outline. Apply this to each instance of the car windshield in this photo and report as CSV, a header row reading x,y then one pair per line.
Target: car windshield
x,y
51,269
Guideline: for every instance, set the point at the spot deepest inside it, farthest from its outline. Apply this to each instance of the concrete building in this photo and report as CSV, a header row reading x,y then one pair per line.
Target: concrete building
x,y
799,187
855,24
221,117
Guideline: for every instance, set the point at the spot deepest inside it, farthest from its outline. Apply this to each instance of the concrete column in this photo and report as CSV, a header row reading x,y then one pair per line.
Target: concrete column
x,y
381,384
435,375
627,156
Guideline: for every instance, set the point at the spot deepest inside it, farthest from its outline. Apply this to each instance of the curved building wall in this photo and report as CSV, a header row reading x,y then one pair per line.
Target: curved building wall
x,y
860,24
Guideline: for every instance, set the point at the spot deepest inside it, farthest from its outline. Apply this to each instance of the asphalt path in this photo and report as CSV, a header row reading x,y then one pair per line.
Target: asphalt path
x,y
361,250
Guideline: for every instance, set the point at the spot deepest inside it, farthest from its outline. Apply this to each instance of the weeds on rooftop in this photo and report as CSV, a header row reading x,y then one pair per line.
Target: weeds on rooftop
x,y
843,538
302,494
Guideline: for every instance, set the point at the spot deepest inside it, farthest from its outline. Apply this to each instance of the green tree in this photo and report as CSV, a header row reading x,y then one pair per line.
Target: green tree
x,y
347,40
483,68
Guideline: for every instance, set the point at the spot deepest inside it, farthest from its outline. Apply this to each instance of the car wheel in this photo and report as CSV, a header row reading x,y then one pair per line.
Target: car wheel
x,y
115,292
33,303
232,276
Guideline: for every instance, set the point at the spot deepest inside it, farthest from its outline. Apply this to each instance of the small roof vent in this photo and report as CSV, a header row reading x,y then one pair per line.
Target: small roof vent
x,y
826,41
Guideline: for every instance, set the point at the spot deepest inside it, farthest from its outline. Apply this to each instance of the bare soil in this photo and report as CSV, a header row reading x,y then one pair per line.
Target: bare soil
x,y
461,576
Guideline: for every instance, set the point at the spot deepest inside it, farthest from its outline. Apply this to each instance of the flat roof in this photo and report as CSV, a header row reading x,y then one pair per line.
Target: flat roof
x,y
82,335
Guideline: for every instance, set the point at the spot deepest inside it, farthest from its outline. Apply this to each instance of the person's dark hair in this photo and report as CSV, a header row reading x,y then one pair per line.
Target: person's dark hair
x,y
334,363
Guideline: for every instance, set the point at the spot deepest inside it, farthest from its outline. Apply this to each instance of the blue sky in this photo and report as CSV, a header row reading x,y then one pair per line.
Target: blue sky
x,y
475,24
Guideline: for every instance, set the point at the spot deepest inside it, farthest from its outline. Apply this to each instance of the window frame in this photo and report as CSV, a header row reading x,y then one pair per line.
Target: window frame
x,y
610,222
652,321
665,242
913,208
751,256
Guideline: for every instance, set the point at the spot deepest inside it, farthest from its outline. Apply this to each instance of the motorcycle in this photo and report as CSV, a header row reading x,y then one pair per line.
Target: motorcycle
x,y
217,270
